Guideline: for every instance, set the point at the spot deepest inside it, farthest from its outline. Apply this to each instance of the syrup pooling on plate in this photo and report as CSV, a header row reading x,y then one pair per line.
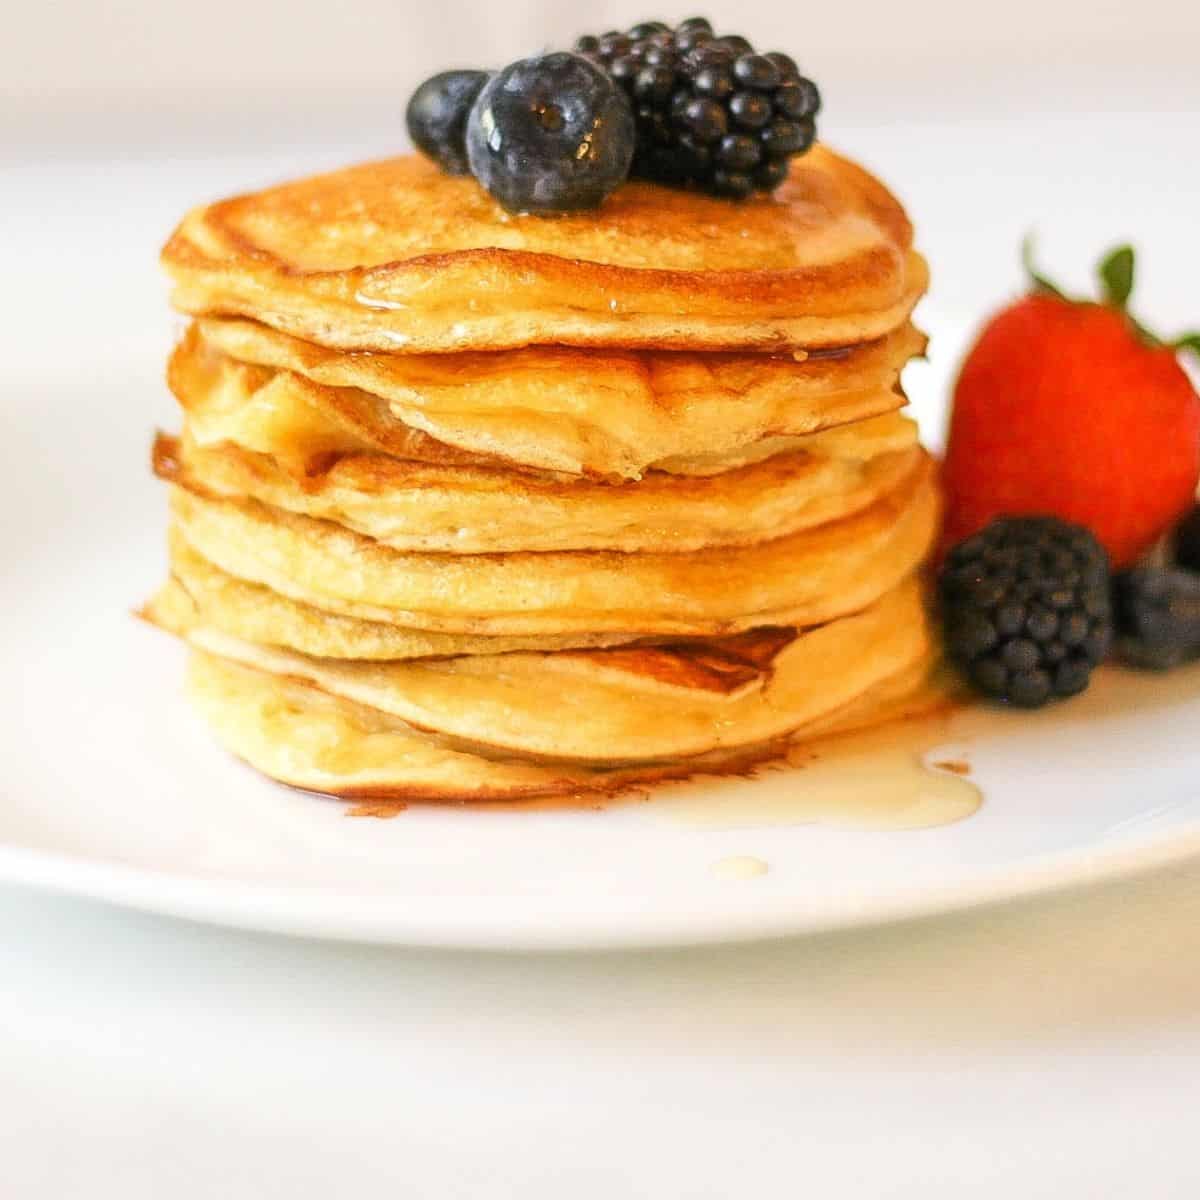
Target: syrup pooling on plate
x,y
887,778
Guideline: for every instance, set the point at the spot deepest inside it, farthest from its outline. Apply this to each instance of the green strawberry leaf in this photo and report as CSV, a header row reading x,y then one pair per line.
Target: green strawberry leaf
x,y
1039,281
1116,276
1189,341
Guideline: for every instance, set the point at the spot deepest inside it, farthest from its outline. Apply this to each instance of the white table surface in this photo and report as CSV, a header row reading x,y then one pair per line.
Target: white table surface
x,y
1046,1048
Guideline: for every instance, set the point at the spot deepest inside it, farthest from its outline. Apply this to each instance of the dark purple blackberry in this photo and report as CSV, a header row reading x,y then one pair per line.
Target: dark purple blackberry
x,y
1157,616
711,112
1026,608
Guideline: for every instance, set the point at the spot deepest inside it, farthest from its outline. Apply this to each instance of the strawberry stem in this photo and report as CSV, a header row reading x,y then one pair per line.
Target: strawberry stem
x,y
1116,276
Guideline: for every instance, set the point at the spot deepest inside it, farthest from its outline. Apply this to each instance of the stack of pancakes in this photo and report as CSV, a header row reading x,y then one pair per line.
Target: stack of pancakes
x,y
473,505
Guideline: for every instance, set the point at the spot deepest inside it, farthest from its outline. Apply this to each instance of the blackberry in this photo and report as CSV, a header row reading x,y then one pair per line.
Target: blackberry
x,y
1157,616
1026,608
712,113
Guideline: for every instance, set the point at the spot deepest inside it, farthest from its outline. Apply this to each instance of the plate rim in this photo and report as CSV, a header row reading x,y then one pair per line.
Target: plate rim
x,y
324,914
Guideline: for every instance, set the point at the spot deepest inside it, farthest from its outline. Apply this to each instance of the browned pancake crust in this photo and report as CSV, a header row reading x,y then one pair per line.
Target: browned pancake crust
x,y
397,256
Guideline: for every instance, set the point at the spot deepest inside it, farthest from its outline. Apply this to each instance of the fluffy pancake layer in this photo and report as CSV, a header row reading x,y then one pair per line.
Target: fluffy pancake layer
x,y
297,734
475,510
607,414
395,255
199,593
806,578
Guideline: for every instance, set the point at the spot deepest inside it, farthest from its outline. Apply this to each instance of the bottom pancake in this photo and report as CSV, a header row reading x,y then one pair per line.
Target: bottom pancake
x,y
525,724
624,705
301,736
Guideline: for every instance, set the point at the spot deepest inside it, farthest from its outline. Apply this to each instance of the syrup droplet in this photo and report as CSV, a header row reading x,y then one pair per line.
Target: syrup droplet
x,y
739,866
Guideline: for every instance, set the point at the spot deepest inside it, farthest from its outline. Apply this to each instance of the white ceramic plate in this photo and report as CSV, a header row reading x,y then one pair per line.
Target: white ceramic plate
x,y
109,787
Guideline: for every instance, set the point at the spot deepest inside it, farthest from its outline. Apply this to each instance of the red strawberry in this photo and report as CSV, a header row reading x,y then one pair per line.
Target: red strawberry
x,y
1072,409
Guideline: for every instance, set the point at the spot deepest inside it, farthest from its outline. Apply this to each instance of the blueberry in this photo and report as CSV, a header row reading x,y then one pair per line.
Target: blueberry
x,y
437,117
551,134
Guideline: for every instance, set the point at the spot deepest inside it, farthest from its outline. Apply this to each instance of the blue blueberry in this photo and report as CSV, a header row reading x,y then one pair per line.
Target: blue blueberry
x,y
551,134
437,117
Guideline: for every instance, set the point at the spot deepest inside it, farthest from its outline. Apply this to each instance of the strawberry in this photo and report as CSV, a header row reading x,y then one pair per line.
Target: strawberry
x,y
1072,409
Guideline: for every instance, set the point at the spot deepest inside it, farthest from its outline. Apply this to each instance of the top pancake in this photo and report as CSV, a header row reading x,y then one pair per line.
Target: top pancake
x,y
397,256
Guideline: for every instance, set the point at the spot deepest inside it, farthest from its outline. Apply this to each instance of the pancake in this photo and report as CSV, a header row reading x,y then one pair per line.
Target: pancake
x,y
803,579
304,737
398,256
466,510
641,703
607,414
198,592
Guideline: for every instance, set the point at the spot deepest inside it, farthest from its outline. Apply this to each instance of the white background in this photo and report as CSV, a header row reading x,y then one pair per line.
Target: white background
x,y
119,72
1043,1049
